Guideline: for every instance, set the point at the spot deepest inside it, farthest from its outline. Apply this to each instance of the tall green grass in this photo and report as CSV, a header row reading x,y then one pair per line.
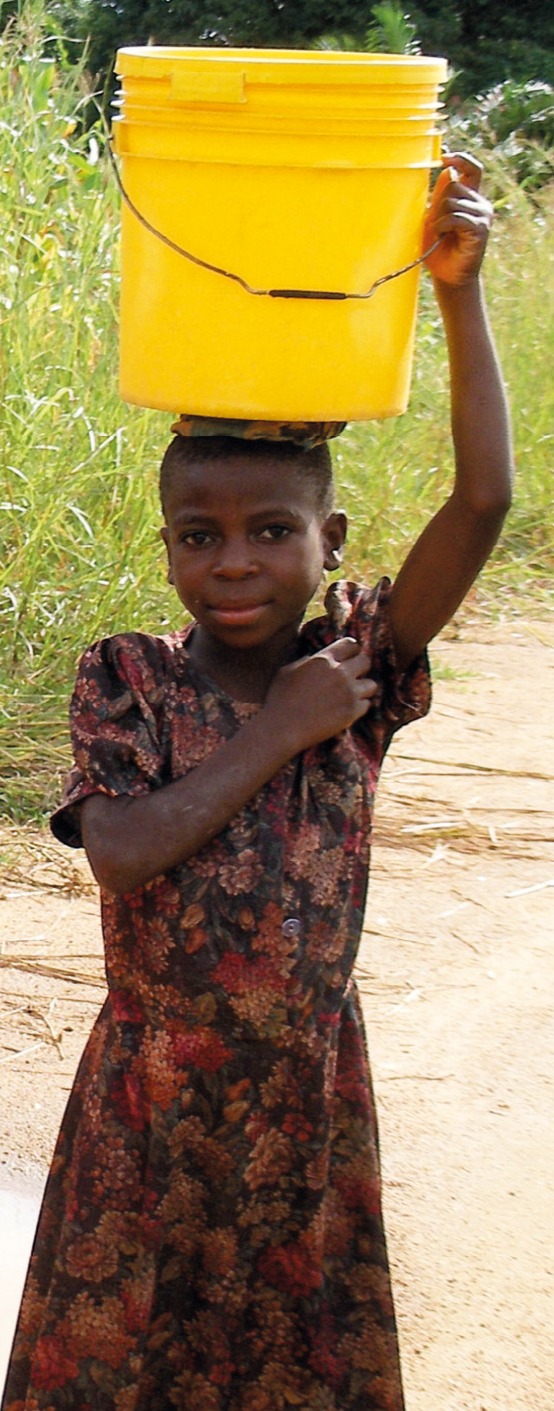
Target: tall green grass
x,y
81,555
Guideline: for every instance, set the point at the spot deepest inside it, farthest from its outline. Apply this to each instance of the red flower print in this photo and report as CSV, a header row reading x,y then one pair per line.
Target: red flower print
x,y
359,1193
204,1048
325,1359
167,896
137,1302
221,1373
126,1008
52,1365
297,1125
191,745
291,1268
133,671
240,976
256,1125
230,973
129,1101
350,1086
327,1365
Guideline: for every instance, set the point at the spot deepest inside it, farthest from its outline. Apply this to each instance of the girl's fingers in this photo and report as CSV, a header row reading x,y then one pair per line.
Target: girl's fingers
x,y
453,191
457,193
468,167
460,198
461,220
357,664
343,648
443,182
368,688
348,649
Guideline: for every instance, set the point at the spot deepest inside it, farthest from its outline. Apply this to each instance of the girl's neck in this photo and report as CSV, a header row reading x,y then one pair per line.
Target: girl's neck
x,y
244,675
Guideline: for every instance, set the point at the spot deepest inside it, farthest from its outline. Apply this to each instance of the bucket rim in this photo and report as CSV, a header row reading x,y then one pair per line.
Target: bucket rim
x,y
281,65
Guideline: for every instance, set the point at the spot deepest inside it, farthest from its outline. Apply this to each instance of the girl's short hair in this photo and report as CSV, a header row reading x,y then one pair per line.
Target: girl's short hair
x,y
315,464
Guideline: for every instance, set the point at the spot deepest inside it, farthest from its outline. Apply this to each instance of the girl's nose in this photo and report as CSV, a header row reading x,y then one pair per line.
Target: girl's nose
x,y
236,560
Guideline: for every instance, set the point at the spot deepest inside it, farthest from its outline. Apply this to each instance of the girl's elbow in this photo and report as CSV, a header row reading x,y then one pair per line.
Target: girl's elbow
x,y
491,513
488,521
103,839
503,495
489,505
111,877
116,866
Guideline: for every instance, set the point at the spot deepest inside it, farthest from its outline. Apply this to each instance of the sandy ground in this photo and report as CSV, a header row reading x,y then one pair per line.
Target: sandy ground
x,y
457,973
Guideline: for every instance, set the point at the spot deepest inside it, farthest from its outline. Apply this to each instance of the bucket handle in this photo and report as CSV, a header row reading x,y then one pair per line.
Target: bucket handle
x,y
329,294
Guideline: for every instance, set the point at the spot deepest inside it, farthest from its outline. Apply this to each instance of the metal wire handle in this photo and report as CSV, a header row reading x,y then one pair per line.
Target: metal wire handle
x,y
332,294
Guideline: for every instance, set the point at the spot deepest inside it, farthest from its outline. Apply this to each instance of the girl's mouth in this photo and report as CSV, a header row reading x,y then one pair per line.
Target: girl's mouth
x,y
237,614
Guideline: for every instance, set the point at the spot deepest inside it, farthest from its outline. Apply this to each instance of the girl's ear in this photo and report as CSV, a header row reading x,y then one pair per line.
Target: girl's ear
x,y
165,536
333,532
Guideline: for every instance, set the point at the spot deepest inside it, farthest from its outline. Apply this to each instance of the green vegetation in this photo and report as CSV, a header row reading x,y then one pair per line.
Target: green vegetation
x,y
485,41
78,500
513,126
390,32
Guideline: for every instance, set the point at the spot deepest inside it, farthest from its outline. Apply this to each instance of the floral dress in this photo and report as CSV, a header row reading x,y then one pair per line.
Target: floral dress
x,y
211,1236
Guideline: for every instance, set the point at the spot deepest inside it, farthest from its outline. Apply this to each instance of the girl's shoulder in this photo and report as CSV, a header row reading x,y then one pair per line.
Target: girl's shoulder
x,y
132,658
351,610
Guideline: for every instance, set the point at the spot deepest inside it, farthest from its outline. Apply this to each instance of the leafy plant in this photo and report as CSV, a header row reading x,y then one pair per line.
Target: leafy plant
x,y
390,32
515,122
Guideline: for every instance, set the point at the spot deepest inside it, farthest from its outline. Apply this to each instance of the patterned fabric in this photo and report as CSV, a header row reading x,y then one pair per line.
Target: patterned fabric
x,y
211,1237
304,433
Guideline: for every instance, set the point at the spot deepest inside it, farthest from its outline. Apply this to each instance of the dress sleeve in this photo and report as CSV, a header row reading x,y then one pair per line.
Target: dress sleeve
x,y
116,718
363,613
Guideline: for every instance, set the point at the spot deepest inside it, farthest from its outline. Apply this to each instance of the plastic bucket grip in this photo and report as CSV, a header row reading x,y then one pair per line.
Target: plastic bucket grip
x,y
210,87
334,294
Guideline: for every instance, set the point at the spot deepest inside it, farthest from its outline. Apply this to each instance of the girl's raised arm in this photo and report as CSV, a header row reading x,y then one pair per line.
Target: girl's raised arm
x,y
447,557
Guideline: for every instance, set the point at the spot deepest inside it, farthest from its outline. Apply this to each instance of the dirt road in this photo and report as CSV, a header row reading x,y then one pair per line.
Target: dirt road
x,y
457,976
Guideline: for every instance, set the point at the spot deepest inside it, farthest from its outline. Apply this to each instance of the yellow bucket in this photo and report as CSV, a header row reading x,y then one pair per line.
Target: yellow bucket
x,y
292,179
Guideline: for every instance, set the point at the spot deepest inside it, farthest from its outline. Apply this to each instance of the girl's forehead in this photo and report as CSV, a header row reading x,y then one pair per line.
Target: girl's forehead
x,y
218,485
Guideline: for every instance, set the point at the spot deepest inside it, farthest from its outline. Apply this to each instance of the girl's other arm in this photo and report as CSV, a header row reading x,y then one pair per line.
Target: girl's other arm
x,y
131,840
447,557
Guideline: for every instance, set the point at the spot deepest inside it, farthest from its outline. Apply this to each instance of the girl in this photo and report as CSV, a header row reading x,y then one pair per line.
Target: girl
x,y
211,1236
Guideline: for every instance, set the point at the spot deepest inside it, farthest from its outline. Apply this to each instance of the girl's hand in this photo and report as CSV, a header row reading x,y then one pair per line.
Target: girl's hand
x,y
462,218
317,697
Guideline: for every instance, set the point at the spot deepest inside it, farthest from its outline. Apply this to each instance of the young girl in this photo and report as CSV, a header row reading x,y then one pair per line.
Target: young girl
x,y
211,1236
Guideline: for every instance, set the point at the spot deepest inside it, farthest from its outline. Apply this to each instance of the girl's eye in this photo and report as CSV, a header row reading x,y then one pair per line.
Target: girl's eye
x,y
196,538
274,531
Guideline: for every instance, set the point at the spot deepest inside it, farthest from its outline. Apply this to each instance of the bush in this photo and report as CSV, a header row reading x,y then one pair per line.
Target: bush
x,y
515,122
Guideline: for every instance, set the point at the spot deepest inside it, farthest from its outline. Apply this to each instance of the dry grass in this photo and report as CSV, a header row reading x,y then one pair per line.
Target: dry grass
x,y
514,830
31,858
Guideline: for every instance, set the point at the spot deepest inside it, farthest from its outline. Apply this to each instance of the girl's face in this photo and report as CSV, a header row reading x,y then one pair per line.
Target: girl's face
x,y
247,546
